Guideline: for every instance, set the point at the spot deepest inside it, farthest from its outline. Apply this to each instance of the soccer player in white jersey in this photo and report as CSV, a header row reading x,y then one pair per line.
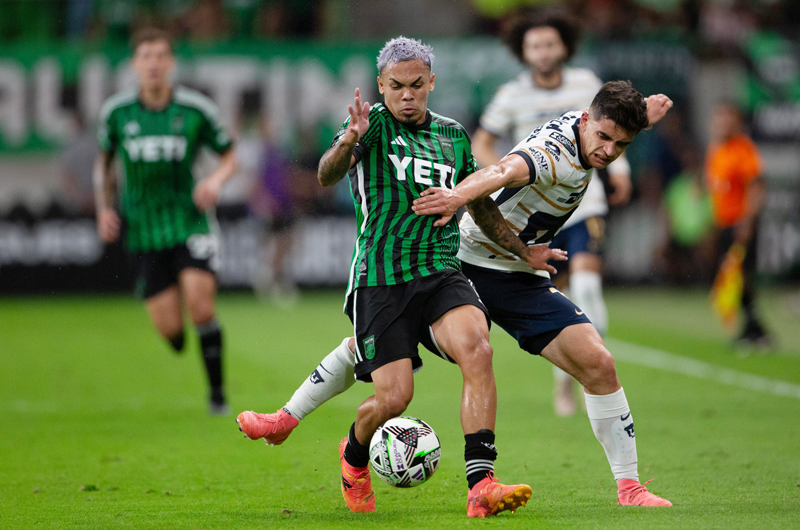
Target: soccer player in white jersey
x,y
544,41
529,195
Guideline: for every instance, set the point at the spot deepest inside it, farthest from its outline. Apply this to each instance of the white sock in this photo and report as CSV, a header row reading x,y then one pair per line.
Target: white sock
x,y
333,376
612,424
586,290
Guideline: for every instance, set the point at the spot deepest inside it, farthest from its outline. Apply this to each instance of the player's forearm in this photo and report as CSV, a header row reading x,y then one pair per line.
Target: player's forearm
x,y
105,191
228,165
511,172
491,222
335,163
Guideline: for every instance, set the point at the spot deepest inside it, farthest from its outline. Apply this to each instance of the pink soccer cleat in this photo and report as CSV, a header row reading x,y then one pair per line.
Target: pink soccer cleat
x,y
489,497
356,484
631,493
274,428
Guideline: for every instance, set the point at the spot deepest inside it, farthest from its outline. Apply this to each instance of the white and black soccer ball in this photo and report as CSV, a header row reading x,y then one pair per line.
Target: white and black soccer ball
x,y
405,452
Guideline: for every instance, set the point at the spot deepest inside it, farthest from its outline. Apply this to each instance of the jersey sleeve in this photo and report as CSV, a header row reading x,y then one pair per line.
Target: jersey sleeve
x,y
213,134
107,136
547,163
367,141
498,118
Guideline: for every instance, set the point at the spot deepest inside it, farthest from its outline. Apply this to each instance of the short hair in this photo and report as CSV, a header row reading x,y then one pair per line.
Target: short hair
x,y
620,102
523,21
401,49
150,35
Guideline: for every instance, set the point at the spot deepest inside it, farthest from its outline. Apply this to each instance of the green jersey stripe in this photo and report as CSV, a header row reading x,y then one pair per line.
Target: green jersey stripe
x,y
158,148
395,163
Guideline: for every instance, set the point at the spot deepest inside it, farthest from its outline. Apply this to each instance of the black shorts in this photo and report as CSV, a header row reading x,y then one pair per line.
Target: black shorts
x,y
391,320
158,270
527,306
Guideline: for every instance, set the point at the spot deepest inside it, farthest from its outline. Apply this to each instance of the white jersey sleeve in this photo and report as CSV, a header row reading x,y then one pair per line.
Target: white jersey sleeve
x,y
536,212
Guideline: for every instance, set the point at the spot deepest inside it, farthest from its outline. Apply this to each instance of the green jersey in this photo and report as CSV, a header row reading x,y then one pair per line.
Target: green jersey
x,y
396,162
158,148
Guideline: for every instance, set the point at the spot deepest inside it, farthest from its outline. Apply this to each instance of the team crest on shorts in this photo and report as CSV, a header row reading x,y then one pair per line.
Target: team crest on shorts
x,y
369,346
447,149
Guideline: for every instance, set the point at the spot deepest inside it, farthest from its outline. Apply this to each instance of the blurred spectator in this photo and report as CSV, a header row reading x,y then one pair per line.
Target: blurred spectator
x,y
206,21
77,164
688,253
670,151
273,201
733,176
79,13
726,25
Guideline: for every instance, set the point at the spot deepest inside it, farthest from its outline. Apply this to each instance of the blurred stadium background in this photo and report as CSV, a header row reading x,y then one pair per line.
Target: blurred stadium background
x,y
282,73
91,370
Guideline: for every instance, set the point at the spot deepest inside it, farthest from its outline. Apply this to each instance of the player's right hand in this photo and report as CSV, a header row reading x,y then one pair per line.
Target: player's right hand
x,y
537,257
108,225
359,119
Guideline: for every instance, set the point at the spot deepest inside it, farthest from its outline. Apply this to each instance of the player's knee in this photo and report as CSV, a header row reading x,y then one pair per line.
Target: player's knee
x,y
602,371
201,310
394,403
476,356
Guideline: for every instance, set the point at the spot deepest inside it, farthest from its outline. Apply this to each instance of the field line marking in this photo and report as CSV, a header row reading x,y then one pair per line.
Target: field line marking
x,y
670,362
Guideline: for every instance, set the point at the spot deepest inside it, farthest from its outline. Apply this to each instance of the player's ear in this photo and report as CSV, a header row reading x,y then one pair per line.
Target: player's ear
x,y
380,85
433,78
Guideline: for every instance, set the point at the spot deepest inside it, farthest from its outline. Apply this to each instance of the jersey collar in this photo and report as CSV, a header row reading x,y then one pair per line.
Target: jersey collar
x,y
576,131
426,124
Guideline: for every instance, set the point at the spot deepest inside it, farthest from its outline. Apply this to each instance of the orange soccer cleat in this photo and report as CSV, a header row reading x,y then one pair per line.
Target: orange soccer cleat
x,y
356,484
274,428
489,497
631,493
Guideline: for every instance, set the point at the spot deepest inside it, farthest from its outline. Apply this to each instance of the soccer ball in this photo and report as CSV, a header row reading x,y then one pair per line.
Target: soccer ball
x,y
405,452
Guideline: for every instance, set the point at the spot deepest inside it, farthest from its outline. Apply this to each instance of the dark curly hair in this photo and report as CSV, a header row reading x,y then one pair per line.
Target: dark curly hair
x,y
522,21
620,102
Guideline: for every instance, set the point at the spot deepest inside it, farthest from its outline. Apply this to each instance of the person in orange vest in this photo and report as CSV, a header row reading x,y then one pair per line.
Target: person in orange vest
x,y
733,176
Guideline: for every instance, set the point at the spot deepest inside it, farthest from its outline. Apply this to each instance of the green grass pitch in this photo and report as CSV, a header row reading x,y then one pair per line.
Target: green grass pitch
x,y
102,426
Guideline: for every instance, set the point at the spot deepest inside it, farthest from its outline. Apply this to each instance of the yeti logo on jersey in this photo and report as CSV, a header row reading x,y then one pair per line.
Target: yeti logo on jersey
x,y
563,140
421,170
156,148
447,149
369,346
132,128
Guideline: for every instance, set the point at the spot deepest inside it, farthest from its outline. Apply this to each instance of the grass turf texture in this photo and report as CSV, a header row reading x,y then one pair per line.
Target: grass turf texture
x,y
103,426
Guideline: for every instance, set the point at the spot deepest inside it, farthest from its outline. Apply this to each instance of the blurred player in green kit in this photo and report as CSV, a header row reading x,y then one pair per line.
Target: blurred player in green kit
x,y
158,130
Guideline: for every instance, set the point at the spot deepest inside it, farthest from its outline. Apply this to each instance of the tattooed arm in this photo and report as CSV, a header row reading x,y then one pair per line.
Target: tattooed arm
x,y
491,222
338,159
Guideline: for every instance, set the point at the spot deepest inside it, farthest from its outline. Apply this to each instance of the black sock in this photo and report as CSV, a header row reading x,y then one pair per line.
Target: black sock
x,y
355,454
211,346
177,341
480,454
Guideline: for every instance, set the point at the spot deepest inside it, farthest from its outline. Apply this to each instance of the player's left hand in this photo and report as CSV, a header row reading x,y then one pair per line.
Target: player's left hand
x,y
438,201
537,257
206,193
621,184
657,107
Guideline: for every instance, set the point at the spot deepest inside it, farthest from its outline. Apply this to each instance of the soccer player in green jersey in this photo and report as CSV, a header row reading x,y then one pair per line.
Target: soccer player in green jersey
x,y
158,130
405,283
